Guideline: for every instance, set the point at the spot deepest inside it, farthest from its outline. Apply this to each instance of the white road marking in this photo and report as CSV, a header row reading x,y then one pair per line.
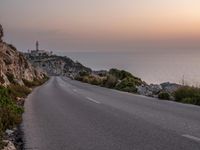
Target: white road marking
x,y
91,99
191,137
75,90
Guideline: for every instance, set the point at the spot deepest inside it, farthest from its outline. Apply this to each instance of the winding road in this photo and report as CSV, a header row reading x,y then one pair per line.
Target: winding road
x,y
64,114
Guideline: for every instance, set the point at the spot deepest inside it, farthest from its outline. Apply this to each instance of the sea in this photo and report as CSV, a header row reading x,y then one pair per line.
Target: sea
x,y
152,66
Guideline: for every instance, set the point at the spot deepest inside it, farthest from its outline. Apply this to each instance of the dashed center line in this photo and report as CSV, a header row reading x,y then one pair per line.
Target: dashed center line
x,y
91,99
74,90
191,137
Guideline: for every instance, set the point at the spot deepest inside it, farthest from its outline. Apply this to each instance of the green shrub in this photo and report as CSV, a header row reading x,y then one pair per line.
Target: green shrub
x,y
120,74
110,82
188,94
83,73
27,83
164,96
84,79
10,112
128,85
10,116
95,81
35,82
18,91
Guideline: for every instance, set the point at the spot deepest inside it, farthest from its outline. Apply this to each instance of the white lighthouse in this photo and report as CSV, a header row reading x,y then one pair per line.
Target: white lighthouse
x,y
37,46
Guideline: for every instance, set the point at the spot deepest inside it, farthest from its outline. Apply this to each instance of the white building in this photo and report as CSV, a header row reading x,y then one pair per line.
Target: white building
x,y
38,52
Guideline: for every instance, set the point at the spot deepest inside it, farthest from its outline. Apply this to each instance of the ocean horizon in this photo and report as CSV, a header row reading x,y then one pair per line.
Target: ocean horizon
x,y
151,66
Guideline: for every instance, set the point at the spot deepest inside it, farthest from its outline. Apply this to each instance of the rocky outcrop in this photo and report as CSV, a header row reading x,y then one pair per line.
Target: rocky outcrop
x,y
149,90
153,90
170,87
14,67
10,145
57,65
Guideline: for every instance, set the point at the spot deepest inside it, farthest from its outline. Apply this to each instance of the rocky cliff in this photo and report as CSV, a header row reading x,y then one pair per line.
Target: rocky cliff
x,y
13,65
56,65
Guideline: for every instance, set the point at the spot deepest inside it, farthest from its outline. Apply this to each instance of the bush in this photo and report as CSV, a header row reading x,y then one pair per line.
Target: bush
x,y
28,83
18,91
110,82
127,85
83,73
164,96
84,79
120,74
33,83
188,94
10,116
95,80
10,112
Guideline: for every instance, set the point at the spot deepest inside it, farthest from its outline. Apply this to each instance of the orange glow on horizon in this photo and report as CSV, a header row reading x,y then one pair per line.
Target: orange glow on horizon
x,y
104,20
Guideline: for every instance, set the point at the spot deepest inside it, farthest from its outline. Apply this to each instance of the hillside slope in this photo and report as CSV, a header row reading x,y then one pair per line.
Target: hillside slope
x,y
57,65
17,78
13,65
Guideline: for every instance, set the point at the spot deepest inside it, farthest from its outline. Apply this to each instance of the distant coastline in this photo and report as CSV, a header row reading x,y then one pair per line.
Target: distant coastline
x,y
154,68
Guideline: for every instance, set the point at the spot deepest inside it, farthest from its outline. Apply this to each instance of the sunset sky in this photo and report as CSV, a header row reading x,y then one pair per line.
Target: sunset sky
x,y
94,25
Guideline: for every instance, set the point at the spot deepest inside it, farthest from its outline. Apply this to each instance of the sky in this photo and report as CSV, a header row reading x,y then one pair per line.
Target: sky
x,y
101,25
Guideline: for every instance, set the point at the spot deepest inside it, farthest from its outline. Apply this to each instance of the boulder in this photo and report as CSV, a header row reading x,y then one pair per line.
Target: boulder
x,y
143,90
149,90
155,88
10,145
9,132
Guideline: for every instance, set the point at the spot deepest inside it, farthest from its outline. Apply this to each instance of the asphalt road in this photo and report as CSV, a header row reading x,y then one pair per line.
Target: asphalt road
x,y
68,115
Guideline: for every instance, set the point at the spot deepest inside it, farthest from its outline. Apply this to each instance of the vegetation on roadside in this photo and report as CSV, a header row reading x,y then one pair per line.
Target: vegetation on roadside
x,y
128,84
187,94
164,96
125,81
35,82
10,108
115,79
10,112
184,94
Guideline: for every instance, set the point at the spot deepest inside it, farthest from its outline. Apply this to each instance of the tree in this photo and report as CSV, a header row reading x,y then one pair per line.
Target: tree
x,y
1,32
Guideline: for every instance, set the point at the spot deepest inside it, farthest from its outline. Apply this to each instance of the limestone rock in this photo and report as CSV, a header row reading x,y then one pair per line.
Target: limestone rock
x,y
56,65
170,87
14,67
9,132
149,90
10,145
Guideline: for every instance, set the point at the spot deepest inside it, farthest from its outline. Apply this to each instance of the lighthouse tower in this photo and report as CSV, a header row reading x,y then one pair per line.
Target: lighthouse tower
x,y
37,46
